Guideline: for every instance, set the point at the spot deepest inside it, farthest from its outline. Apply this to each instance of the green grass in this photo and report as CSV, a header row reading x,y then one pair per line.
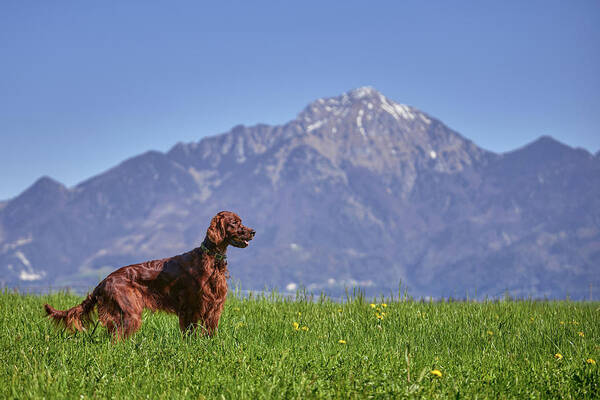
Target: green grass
x,y
486,350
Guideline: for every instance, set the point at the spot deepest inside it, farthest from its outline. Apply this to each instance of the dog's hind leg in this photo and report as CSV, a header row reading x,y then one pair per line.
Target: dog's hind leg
x,y
120,323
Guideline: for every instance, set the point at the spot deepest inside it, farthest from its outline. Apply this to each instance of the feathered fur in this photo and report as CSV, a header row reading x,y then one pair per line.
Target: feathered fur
x,y
192,285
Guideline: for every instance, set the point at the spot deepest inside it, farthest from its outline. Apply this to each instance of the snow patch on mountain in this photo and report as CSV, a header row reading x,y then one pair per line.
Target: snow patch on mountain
x,y
31,276
17,243
359,123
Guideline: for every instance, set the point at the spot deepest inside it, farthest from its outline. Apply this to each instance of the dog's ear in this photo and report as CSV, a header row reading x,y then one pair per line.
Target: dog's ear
x,y
216,231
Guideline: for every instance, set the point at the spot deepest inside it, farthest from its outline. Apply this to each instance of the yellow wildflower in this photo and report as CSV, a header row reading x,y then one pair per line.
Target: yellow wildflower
x,y
339,310
305,328
379,316
296,325
591,361
383,305
437,373
562,322
490,333
580,334
373,305
341,341
558,356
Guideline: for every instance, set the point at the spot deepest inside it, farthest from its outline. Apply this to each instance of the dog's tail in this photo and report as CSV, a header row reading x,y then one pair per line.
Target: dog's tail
x,y
77,318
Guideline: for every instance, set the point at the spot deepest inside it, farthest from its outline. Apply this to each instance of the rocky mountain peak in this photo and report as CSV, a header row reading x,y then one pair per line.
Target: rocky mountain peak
x,y
364,91
362,102
548,143
44,187
366,129
361,128
546,151
40,199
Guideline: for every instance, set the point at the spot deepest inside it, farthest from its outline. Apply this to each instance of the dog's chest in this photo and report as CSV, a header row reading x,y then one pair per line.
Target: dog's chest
x,y
215,287
218,283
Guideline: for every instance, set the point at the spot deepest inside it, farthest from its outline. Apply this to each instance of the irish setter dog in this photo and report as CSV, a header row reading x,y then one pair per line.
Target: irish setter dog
x,y
192,285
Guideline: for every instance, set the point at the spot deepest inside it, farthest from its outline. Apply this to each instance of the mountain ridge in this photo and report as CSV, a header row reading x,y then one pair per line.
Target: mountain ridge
x,y
356,190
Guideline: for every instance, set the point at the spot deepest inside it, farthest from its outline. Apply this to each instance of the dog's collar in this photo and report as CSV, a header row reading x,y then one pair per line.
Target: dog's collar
x,y
211,249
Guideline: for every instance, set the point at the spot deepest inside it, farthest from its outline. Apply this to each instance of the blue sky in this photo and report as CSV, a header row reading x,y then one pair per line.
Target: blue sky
x,y
86,85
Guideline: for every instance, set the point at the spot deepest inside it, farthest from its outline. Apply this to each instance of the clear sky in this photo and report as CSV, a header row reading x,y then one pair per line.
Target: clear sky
x,y
85,85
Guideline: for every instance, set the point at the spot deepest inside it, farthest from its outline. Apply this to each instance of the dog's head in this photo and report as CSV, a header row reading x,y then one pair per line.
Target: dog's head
x,y
226,228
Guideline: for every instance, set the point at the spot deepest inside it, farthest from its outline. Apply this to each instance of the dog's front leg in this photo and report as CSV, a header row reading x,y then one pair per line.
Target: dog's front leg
x,y
188,323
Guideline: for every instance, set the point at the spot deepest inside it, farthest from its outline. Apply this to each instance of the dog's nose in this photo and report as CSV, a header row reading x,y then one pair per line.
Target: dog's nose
x,y
252,232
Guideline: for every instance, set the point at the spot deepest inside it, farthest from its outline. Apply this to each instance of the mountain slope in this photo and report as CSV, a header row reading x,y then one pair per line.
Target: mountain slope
x,y
357,190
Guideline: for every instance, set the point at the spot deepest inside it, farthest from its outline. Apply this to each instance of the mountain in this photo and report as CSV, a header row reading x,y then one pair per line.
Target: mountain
x,y
358,190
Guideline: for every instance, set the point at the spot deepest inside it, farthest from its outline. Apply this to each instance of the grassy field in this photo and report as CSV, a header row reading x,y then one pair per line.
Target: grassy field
x,y
270,347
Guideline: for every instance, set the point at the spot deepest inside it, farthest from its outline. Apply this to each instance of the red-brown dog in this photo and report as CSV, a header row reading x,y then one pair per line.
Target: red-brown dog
x,y
192,285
